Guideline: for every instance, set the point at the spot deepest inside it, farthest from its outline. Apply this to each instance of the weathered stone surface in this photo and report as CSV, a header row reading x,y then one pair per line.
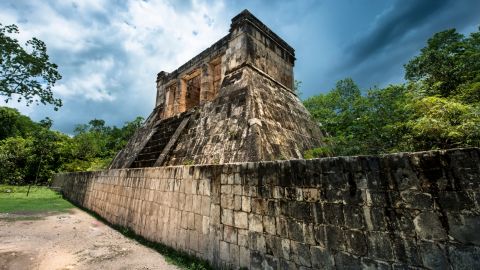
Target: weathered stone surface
x,y
237,99
429,227
388,230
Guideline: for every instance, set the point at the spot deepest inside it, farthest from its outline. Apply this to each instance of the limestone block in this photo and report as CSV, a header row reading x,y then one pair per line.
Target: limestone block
x,y
269,225
464,257
464,228
255,223
429,227
433,255
379,246
227,201
241,219
244,257
301,253
256,242
230,234
224,251
356,243
246,204
321,258
205,208
237,202
227,217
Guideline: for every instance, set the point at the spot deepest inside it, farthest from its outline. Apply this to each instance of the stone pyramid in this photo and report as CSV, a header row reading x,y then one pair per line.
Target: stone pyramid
x,y
231,103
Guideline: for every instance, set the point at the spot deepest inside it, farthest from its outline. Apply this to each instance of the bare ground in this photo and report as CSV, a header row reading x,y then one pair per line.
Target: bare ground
x,y
72,240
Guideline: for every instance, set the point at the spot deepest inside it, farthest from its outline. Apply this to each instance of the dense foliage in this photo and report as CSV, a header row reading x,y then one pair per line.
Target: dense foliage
x,y
437,108
31,152
26,73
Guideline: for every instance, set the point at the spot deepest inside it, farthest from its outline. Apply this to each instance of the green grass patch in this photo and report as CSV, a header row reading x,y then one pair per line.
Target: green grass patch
x,y
14,200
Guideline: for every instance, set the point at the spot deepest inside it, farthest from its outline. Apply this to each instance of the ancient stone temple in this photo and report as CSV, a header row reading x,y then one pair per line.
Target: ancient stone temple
x,y
233,102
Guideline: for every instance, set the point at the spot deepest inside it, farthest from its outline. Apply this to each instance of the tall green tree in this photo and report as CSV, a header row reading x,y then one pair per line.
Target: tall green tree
x,y
26,73
448,66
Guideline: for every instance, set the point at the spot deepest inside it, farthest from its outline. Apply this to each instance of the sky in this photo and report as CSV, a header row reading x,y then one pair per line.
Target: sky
x,y
109,51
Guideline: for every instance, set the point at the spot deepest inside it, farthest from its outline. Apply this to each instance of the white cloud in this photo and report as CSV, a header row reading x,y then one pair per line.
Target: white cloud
x,y
109,54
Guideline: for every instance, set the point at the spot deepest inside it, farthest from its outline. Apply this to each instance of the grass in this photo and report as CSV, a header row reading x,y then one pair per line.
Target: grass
x,y
14,200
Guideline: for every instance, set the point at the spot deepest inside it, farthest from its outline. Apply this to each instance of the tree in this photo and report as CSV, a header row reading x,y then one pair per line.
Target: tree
x,y
449,66
26,73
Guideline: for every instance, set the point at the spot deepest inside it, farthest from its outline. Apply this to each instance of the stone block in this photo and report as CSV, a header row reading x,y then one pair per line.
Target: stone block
x,y
237,190
226,201
320,235
464,228
333,214
256,242
295,230
256,260
311,194
301,211
244,257
433,255
259,206
317,211
230,234
246,204
429,227
269,225
379,246
255,223
282,227
278,192
454,201
241,219
405,250
369,264
464,257
356,243
234,255
335,238
242,238
375,218
237,202
345,260
205,208
286,265
270,263
301,253
205,225
226,189
415,200
321,258
224,251
354,217
199,223
227,217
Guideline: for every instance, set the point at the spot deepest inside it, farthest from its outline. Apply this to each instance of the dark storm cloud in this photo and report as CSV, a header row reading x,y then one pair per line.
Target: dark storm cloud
x,y
397,35
391,26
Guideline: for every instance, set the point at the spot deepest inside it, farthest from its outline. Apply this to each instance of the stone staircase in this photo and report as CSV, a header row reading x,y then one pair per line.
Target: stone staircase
x,y
168,131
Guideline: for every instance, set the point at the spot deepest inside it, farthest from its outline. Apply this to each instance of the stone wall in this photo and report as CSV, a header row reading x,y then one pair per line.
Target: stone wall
x,y
398,211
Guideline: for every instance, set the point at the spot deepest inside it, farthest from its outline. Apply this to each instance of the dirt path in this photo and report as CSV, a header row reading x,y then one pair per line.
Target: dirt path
x,y
71,241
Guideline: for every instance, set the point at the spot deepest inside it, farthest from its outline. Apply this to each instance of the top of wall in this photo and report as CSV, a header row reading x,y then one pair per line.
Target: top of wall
x,y
219,47
245,17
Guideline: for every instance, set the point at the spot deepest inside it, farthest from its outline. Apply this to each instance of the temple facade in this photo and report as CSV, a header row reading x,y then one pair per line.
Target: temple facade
x,y
233,102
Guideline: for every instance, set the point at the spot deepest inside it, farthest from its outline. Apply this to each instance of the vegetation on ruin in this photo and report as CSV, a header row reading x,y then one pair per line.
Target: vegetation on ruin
x,y
437,108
